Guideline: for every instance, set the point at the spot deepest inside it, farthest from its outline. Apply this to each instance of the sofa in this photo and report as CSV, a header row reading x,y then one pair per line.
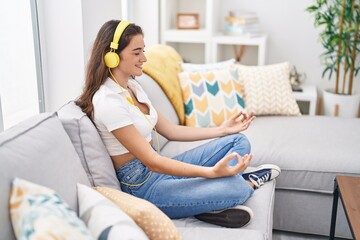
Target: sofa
x,y
310,150
60,149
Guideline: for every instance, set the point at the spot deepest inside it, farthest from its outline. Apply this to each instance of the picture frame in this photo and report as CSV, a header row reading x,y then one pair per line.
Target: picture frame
x,y
187,21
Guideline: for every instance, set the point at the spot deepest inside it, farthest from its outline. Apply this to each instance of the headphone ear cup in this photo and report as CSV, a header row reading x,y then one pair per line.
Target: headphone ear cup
x,y
111,59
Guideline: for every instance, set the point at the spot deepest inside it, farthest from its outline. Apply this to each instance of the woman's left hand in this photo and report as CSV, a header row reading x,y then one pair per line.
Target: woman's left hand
x,y
237,123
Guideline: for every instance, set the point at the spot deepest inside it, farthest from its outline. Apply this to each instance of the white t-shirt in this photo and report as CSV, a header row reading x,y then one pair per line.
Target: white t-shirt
x,y
112,111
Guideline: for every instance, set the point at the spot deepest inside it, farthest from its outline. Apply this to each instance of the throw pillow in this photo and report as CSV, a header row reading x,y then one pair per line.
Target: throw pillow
x,y
154,222
38,212
191,67
267,89
104,219
88,144
210,97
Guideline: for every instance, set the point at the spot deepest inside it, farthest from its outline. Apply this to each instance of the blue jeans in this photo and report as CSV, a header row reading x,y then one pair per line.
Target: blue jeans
x,y
180,197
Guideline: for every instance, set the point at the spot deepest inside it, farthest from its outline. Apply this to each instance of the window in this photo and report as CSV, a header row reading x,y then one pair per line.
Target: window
x,y
20,63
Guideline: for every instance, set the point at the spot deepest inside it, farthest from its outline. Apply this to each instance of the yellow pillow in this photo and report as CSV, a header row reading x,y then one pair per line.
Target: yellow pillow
x,y
267,89
147,216
210,97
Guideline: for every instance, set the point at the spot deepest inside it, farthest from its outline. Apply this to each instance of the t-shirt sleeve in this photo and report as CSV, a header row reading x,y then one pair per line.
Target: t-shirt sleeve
x,y
113,112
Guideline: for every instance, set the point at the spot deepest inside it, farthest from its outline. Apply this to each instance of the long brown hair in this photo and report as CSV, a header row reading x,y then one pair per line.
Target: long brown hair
x,y
96,70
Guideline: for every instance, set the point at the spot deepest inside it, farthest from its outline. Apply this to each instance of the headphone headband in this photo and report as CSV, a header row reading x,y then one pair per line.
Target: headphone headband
x,y
118,32
111,58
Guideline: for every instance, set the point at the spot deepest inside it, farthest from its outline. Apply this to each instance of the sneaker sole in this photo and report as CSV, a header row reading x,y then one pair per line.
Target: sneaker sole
x,y
265,166
230,218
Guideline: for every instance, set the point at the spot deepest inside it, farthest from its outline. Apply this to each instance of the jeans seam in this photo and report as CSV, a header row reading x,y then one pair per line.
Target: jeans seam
x,y
236,202
208,159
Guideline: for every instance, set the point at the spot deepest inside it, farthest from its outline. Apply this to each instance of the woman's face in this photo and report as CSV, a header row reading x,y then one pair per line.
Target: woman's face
x,y
132,57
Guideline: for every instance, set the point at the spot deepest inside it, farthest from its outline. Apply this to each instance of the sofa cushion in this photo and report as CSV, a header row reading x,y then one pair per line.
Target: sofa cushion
x,y
208,233
104,219
89,146
38,212
40,151
262,204
210,97
267,89
310,150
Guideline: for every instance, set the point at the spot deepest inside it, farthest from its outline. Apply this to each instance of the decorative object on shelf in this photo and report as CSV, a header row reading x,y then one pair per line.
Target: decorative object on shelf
x,y
242,23
188,21
238,52
340,23
296,79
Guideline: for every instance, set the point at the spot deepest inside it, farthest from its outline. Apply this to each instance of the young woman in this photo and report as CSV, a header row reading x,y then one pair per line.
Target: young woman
x,y
208,181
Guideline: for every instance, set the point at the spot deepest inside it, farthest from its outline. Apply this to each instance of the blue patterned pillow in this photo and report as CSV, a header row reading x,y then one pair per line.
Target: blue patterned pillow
x,y
211,97
38,212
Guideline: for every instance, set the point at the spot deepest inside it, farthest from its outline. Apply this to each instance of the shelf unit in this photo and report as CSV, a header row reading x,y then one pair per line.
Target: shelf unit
x,y
307,99
201,45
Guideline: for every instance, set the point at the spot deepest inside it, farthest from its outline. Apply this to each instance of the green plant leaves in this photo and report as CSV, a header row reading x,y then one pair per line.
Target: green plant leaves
x,y
340,36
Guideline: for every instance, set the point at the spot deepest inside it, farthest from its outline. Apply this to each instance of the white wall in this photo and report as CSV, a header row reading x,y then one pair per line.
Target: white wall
x,y
145,13
94,14
61,37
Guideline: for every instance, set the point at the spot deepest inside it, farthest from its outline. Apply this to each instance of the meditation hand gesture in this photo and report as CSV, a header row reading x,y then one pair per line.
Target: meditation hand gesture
x,y
237,123
222,169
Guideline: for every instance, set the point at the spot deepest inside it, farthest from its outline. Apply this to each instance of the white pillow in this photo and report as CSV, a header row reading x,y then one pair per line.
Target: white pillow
x,y
191,67
104,219
267,89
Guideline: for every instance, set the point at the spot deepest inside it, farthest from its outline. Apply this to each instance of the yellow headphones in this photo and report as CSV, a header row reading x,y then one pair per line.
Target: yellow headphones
x,y
111,58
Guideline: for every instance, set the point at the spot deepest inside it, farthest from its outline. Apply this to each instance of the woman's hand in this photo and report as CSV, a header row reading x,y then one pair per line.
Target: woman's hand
x,y
222,169
238,123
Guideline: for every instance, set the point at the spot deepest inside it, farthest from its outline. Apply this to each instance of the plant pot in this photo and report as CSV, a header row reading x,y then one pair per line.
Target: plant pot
x,y
340,105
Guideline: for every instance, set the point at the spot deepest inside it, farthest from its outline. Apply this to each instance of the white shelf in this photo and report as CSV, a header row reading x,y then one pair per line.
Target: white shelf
x,y
188,36
308,94
208,11
260,42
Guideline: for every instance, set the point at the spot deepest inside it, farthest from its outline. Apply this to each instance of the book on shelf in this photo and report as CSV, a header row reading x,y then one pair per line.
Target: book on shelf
x,y
241,13
243,21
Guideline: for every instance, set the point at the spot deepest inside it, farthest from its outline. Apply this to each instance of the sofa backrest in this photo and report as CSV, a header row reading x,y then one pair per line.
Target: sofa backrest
x,y
89,146
40,151
159,100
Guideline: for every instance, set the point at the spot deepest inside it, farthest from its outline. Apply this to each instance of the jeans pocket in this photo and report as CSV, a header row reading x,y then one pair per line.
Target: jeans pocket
x,y
132,175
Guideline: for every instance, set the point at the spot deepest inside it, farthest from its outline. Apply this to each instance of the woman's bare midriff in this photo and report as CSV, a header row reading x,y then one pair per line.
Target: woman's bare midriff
x,y
121,160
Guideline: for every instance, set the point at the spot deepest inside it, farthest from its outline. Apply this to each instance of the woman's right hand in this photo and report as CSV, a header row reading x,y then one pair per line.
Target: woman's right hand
x,y
222,169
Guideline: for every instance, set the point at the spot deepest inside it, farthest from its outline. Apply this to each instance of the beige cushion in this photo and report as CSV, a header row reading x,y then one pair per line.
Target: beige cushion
x,y
210,97
151,220
267,89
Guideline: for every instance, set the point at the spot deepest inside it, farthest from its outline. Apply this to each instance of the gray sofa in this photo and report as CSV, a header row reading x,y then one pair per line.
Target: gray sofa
x,y
61,149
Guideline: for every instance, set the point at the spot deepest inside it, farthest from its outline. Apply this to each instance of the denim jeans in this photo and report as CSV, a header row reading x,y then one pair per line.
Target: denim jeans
x,y
180,197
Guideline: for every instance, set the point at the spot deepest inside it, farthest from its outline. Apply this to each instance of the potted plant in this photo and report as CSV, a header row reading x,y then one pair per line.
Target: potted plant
x,y
340,22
